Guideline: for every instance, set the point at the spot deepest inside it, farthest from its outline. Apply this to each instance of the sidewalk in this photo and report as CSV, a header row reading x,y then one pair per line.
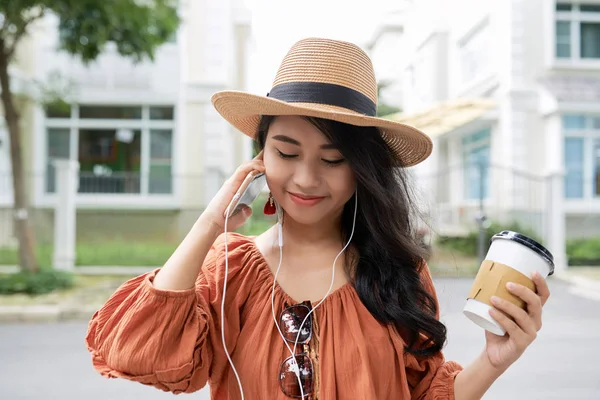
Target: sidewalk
x,y
96,284
584,281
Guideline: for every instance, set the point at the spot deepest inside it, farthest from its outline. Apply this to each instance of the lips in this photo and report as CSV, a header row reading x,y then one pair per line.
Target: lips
x,y
303,197
306,201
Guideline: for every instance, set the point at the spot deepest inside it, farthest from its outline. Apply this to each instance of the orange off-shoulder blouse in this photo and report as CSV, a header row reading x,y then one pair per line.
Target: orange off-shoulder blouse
x,y
172,339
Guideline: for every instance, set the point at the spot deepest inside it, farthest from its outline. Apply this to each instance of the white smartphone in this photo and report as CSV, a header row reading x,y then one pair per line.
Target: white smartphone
x,y
248,192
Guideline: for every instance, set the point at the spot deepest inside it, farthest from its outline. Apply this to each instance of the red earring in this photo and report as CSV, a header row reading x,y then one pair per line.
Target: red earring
x,y
270,208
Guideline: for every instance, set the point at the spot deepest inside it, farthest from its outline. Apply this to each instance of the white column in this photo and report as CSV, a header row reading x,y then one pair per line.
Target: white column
x,y
555,215
67,182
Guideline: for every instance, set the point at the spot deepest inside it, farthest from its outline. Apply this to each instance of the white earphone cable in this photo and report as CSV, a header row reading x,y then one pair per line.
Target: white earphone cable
x,y
293,351
280,244
223,303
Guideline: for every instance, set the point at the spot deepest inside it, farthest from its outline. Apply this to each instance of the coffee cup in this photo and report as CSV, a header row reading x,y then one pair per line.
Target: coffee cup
x,y
512,257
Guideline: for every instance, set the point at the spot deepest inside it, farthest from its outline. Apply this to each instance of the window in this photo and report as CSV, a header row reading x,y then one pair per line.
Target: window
x,y
582,156
162,113
577,31
109,161
109,144
58,147
574,168
596,168
590,40
563,39
110,112
474,53
160,161
476,158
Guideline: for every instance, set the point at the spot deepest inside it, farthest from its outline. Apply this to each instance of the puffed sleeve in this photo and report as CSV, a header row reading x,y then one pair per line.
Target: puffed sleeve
x,y
170,339
431,378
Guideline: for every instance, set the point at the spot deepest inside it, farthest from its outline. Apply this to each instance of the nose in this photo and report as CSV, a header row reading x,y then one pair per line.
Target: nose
x,y
306,176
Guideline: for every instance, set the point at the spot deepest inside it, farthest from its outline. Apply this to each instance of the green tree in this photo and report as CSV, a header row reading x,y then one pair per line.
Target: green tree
x,y
137,27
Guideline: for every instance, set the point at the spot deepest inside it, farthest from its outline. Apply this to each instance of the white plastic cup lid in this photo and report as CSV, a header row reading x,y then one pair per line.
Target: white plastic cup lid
x,y
529,243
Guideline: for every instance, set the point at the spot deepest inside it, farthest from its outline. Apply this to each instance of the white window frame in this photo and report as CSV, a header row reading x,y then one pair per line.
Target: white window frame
x,y
589,135
576,17
111,200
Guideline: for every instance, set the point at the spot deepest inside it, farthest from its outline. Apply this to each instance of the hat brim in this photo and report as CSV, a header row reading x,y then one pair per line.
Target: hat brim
x,y
244,110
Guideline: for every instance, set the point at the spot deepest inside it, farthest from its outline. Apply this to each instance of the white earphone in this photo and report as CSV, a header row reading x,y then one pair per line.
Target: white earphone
x,y
237,376
280,245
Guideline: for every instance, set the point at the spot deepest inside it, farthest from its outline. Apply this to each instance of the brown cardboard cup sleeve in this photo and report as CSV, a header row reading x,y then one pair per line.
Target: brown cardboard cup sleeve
x,y
491,281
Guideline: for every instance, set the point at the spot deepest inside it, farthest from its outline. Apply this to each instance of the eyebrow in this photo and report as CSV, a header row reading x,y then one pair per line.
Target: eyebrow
x,y
287,139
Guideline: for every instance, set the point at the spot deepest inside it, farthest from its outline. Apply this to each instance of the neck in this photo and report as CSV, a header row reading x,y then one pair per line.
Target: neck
x,y
300,235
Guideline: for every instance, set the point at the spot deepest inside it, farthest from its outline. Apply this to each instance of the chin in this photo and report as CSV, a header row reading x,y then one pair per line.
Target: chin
x,y
304,218
307,215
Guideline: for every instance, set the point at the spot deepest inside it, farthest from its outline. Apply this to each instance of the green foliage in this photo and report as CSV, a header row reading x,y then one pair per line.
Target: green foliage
x,y
385,109
137,27
124,253
584,251
114,252
35,283
258,222
580,252
467,245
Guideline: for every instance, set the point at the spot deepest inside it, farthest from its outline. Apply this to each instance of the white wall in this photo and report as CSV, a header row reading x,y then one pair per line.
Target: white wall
x,y
111,79
185,74
212,63
442,35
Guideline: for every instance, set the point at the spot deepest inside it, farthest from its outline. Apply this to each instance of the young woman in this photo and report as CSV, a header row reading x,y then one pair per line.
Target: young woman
x,y
340,282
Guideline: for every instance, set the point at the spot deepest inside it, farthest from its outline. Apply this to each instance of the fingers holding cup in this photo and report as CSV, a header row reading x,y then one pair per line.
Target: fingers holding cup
x,y
541,287
520,317
511,257
532,301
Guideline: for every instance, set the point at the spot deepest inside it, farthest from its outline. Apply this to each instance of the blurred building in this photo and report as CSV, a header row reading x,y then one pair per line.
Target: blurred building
x,y
152,150
509,91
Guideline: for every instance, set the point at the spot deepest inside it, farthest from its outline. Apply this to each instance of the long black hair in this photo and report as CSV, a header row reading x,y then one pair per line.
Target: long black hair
x,y
387,273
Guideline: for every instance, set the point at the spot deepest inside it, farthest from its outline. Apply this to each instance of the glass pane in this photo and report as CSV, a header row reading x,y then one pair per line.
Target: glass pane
x,y
574,168
590,8
58,147
161,146
482,136
109,161
590,40
477,172
110,112
596,123
164,113
597,168
563,39
563,7
571,122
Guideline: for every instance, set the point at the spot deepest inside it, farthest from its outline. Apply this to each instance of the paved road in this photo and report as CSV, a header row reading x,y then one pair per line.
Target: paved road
x,y
49,361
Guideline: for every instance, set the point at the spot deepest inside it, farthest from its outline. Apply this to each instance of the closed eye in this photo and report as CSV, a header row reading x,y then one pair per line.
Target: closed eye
x,y
334,162
284,155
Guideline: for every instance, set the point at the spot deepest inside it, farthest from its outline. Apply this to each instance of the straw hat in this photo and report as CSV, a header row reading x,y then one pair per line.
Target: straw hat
x,y
327,79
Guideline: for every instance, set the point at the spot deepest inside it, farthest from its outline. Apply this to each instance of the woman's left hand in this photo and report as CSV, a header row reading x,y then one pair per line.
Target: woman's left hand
x,y
522,330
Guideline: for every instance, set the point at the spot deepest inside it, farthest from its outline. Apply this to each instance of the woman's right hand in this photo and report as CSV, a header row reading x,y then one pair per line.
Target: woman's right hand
x,y
214,213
